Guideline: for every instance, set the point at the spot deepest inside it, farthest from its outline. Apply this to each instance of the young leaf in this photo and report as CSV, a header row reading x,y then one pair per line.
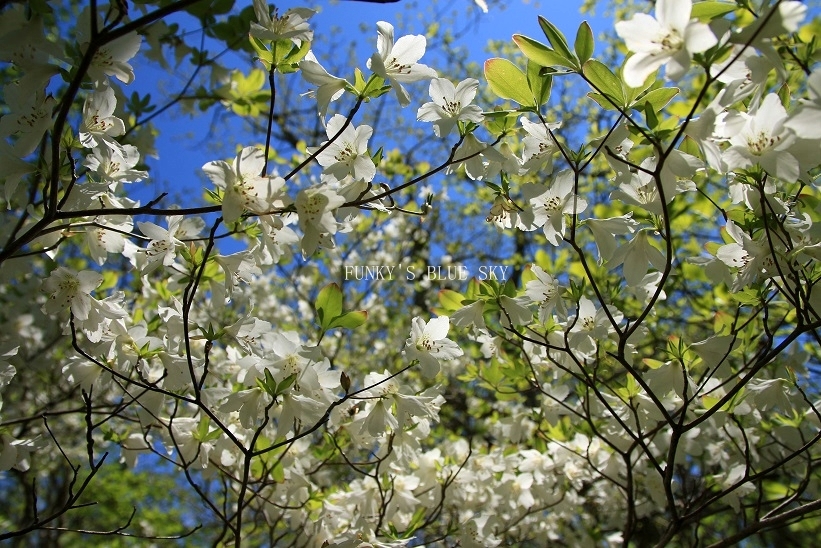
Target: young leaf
x,y
328,304
605,82
602,101
540,54
284,385
451,300
659,98
558,41
508,81
707,11
349,320
585,43
540,85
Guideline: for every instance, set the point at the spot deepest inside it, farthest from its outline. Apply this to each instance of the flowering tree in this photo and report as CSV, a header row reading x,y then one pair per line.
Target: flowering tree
x,y
315,352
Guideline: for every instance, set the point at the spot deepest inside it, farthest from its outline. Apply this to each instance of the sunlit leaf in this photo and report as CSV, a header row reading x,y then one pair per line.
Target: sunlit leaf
x,y
508,81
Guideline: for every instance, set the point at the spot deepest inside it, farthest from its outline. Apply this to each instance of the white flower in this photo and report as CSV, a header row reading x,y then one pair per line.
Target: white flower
x,y
330,88
276,239
102,241
397,62
472,314
635,255
238,268
470,155
750,257
551,203
72,289
162,250
669,39
428,343
29,116
347,154
450,105
764,140
806,118
115,164
245,188
539,146
590,326
546,292
315,209
99,124
293,25
112,59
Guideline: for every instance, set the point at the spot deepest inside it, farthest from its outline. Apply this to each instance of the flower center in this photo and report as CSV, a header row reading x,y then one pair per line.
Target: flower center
x,y
553,204
424,344
672,41
451,107
761,143
395,67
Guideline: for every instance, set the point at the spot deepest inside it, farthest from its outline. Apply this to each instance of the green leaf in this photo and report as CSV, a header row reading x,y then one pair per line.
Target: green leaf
x,y
451,300
707,11
278,472
540,53
349,320
328,304
284,385
558,41
540,85
650,116
602,101
585,43
269,385
508,81
659,98
603,79
264,54
501,121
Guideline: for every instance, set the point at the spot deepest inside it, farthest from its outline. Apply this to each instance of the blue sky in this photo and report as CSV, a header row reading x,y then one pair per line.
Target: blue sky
x,y
183,143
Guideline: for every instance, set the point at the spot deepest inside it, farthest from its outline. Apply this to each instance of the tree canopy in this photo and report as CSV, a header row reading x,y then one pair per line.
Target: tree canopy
x,y
567,296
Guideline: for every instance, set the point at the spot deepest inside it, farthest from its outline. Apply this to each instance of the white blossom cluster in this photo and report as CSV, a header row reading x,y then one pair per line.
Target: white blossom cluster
x,y
339,433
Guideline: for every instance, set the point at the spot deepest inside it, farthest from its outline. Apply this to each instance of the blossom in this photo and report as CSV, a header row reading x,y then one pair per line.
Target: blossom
x,y
22,42
275,239
112,59
99,124
115,165
450,105
751,257
245,189
107,236
428,343
397,62
315,206
30,113
605,231
470,155
669,39
293,25
71,289
806,118
764,140
162,249
330,88
635,255
238,268
546,292
347,152
590,326
539,146
551,203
